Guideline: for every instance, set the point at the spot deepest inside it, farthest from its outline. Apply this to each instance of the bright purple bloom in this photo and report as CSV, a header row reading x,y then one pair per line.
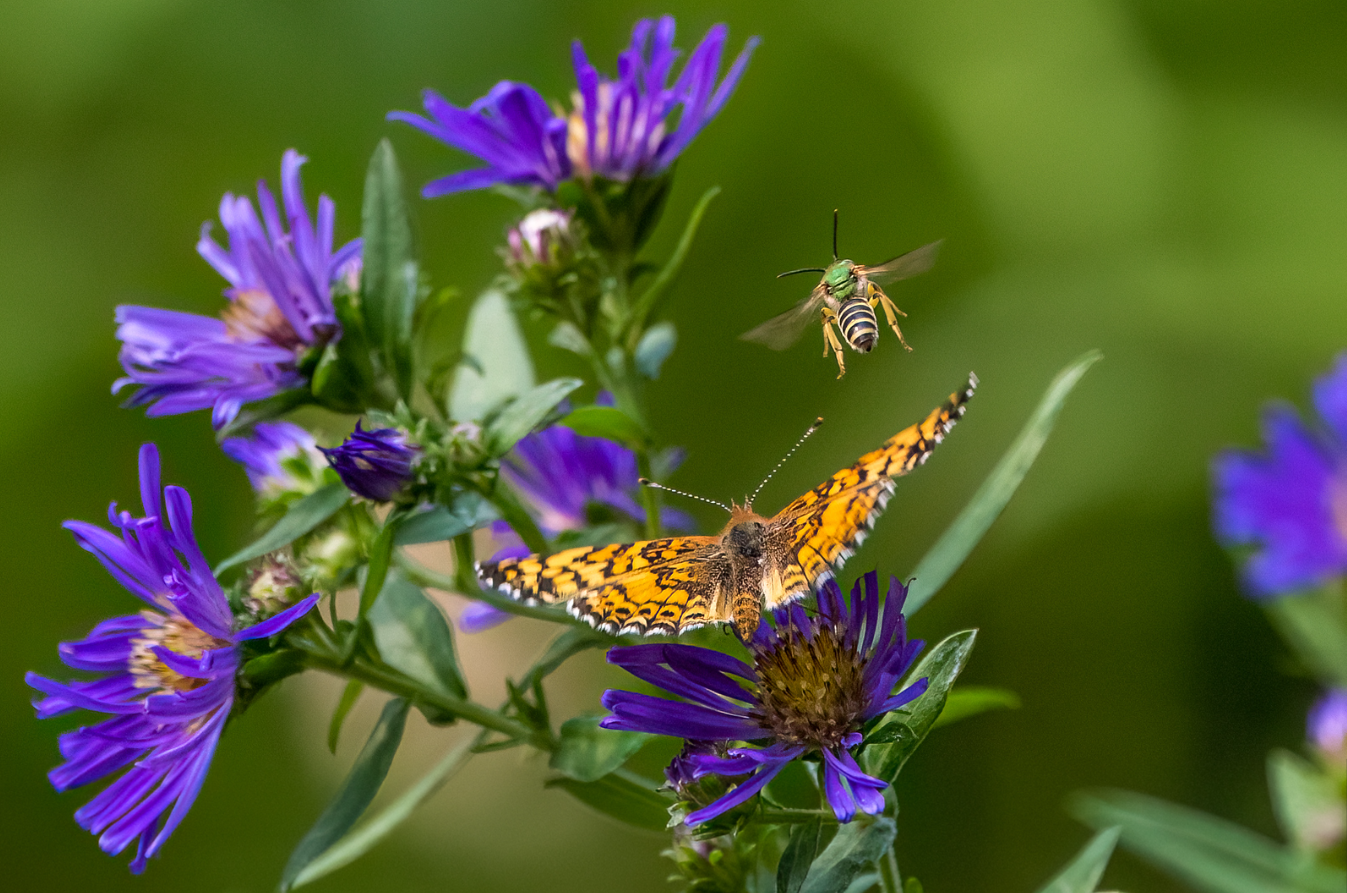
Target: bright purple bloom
x,y
270,454
813,683
511,128
280,306
374,464
165,674
1327,723
621,128
1290,502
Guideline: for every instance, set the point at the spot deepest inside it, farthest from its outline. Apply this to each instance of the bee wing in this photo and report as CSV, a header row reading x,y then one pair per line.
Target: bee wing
x,y
904,266
780,332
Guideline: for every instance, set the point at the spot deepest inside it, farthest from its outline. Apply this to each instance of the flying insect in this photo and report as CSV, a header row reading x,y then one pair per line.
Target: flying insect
x,y
845,299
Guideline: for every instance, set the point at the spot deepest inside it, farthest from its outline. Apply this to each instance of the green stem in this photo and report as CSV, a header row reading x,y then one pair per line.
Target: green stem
x,y
649,497
889,881
424,576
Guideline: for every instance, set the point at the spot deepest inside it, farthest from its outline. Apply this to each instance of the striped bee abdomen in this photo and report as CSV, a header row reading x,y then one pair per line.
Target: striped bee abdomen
x,y
858,324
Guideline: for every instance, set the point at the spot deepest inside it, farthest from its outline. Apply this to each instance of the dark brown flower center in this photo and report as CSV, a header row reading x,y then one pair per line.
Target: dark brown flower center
x,y
810,691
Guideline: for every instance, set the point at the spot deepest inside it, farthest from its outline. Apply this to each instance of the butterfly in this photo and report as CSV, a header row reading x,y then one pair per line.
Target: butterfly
x,y
667,586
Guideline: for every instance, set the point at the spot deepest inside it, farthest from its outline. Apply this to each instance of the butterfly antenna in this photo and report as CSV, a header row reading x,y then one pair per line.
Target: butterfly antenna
x,y
834,235
803,437
646,482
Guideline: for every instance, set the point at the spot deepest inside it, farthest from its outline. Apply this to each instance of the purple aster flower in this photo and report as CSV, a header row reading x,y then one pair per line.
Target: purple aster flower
x,y
165,674
813,683
511,128
280,306
278,457
621,129
1327,724
374,464
1291,501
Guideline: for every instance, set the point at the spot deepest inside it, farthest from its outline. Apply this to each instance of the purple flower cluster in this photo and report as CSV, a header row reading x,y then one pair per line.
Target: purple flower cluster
x,y
1290,502
620,128
165,675
374,464
280,306
813,683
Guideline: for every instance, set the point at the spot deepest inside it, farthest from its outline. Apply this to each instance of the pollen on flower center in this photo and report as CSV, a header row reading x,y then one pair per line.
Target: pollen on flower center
x,y
253,314
177,635
811,688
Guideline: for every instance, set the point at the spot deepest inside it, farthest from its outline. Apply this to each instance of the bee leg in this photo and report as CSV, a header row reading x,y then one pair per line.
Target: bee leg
x,y
831,341
891,312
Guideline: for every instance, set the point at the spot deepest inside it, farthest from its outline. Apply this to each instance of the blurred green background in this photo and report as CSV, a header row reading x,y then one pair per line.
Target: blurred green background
x,y
1166,181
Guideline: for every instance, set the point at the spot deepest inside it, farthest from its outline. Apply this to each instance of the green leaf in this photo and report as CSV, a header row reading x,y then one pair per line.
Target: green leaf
x,y
359,788
362,839
500,367
344,376
388,278
1305,800
798,856
605,421
620,798
302,518
854,849
958,540
1315,624
568,336
650,298
586,752
970,700
1082,874
654,348
525,412
1209,853
414,638
562,648
941,667
380,556
349,696
441,523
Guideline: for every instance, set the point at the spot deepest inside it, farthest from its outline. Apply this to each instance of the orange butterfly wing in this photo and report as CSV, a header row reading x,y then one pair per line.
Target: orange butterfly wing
x,y
816,533
656,586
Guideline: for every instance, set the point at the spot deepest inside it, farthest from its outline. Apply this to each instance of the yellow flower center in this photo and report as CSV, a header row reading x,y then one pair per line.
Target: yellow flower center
x,y
811,691
178,635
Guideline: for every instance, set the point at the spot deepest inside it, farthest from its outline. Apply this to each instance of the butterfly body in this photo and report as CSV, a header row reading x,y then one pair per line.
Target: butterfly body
x,y
756,562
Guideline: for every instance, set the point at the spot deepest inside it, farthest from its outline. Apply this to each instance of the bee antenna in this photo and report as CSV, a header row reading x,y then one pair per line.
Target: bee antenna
x,y
646,482
834,235
805,270
803,437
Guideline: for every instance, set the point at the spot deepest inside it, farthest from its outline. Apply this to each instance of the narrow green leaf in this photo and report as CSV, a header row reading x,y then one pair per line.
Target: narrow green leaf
x,y
413,636
562,648
525,412
302,518
650,298
586,752
1305,800
388,276
654,348
941,667
620,798
607,422
500,367
853,850
349,696
469,512
359,788
363,839
380,555
958,540
799,855
1209,853
1082,874
1315,624
969,700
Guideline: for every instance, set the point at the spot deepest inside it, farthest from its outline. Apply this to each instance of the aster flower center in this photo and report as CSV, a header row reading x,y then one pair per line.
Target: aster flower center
x,y
810,688
176,634
253,315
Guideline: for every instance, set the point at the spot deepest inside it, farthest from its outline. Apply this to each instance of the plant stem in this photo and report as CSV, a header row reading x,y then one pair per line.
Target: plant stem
x,y
889,881
649,497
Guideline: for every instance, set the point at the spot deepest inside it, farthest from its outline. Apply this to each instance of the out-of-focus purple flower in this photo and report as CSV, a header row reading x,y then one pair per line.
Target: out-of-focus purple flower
x,y
280,272
374,464
621,128
278,457
1291,501
511,128
813,683
1327,724
165,674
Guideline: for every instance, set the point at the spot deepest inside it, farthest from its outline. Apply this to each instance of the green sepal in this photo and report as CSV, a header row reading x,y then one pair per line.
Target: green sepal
x,y
586,752
264,671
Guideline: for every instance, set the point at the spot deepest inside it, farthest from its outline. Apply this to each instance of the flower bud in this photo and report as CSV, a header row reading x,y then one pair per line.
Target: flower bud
x,y
544,238
374,464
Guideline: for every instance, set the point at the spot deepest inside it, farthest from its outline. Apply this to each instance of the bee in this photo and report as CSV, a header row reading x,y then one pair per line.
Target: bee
x,y
847,297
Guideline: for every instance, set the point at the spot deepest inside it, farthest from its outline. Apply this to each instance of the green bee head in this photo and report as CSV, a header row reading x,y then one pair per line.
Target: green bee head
x,y
841,276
